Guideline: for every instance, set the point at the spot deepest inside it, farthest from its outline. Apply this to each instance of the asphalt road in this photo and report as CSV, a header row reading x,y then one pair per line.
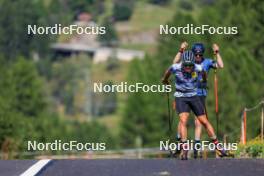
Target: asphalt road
x,y
144,167
14,167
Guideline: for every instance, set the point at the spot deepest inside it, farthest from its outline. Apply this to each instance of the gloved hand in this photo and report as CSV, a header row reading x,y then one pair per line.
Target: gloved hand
x,y
183,47
165,81
215,48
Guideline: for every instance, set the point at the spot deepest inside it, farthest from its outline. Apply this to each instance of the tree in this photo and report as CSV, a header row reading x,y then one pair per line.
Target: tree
x,y
144,117
110,38
14,20
123,9
28,87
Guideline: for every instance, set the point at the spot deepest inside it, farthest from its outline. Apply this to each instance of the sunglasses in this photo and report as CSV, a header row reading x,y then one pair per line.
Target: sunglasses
x,y
188,65
198,55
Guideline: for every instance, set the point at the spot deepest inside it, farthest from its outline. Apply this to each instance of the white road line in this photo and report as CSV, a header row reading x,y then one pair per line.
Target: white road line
x,y
35,168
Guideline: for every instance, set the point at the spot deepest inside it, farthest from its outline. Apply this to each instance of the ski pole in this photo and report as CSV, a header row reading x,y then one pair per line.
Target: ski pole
x,y
169,112
170,116
216,98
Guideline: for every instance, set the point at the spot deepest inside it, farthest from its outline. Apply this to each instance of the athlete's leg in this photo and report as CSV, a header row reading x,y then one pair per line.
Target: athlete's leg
x,y
198,109
209,128
198,129
178,137
182,108
197,138
183,125
198,125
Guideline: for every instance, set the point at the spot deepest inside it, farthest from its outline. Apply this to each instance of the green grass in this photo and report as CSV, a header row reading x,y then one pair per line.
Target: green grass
x,y
112,122
148,48
148,17
101,74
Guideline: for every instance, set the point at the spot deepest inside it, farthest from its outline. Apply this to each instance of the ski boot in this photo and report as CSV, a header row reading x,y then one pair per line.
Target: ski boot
x,y
196,153
184,152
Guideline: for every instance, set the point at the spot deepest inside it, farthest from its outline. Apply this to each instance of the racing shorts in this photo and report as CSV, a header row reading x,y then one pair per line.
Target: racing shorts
x,y
186,104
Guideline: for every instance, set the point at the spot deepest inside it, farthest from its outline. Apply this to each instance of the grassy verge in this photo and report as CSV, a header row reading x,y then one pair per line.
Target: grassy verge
x,y
253,149
148,17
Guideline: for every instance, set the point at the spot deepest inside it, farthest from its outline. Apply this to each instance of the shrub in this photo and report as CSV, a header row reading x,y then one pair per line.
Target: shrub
x,y
254,148
159,2
122,12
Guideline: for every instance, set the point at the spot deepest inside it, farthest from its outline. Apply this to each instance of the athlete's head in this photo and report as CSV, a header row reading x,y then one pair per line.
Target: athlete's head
x,y
187,58
198,50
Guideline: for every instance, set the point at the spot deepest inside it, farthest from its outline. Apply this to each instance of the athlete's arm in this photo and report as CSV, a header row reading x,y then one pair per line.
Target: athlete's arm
x,y
177,57
183,47
219,60
165,79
